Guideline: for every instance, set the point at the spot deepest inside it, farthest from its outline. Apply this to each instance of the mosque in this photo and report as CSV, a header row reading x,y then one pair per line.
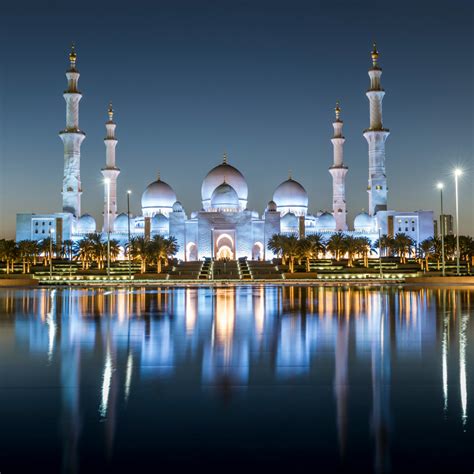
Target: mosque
x,y
223,227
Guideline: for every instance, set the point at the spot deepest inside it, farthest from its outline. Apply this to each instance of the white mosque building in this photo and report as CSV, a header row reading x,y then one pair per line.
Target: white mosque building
x,y
224,227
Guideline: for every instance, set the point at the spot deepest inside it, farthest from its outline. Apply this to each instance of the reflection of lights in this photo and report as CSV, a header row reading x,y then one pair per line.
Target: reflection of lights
x,y
128,375
51,325
190,315
259,312
106,381
462,367
444,348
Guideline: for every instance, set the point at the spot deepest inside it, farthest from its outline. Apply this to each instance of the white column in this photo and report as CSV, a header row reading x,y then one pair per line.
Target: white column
x,y
338,172
376,136
72,138
110,172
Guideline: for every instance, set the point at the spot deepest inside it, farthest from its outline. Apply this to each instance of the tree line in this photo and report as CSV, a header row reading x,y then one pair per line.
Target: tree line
x,y
90,251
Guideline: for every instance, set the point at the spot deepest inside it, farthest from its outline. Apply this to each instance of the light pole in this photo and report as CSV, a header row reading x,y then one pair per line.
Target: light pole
x,y
441,227
129,250
457,173
51,232
107,220
380,254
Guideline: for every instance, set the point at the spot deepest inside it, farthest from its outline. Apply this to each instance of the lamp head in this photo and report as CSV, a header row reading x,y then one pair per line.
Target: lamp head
x,y
457,172
129,192
440,185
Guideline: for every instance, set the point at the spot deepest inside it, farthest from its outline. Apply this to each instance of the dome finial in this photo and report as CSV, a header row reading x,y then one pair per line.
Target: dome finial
x,y
73,55
159,176
224,158
338,111
374,54
289,175
110,112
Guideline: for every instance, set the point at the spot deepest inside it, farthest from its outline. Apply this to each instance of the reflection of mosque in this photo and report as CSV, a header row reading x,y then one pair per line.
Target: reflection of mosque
x,y
226,333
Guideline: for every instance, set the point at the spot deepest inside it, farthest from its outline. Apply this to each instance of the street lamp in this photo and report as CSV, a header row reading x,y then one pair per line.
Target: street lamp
x,y
440,186
457,173
51,232
380,254
128,222
107,220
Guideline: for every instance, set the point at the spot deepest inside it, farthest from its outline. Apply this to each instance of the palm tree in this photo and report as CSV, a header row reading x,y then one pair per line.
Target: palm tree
x,y
337,245
364,247
67,249
351,246
466,250
385,245
140,250
161,249
290,250
305,251
84,252
28,250
9,253
426,249
44,248
403,244
275,244
317,243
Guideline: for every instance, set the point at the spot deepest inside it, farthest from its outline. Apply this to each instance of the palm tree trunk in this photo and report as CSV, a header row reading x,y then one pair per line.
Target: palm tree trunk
x,y
158,266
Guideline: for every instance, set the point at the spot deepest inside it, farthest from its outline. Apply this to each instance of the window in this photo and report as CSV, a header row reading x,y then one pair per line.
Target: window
x,y
36,223
406,229
399,229
413,229
42,231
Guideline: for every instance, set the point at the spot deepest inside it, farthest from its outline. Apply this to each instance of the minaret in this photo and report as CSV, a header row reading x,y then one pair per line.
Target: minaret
x,y
72,138
110,173
338,172
376,136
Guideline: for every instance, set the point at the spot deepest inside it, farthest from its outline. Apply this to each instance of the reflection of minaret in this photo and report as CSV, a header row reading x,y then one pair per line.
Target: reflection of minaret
x,y
72,138
341,382
376,136
338,172
381,392
462,321
110,173
70,386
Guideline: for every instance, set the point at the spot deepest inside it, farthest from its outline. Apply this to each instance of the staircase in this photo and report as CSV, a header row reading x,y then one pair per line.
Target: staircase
x,y
244,270
206,270
186,271
262,270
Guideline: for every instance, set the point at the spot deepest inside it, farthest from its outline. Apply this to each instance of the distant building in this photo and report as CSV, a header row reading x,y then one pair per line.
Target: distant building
x,y
223,227
446,222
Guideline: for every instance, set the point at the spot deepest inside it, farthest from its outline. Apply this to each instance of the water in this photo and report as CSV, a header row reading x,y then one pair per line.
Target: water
x,y
228,379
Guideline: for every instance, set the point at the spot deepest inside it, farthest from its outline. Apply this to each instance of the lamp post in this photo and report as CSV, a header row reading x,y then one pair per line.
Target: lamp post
x,y
441,226
457,173
380,254
107,220
51,232
128,222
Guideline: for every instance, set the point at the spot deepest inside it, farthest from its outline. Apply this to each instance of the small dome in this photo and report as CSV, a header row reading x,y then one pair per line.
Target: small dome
x,y
291,196
121,223
224,173
289,221
86,224
177,207
271,206
158,197
225,197
363,221
326,221
159,223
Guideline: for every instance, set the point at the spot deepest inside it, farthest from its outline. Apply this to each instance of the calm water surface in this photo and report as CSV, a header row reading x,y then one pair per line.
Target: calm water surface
x,y
249,378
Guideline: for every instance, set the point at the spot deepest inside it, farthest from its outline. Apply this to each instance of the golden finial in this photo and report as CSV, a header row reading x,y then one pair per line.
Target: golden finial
x,y
72,54
224,158
374,54
289,174
110,112
338,111
159,176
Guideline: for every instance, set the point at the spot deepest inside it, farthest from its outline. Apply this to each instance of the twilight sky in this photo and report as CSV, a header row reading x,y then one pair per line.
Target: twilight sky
x,y
257,79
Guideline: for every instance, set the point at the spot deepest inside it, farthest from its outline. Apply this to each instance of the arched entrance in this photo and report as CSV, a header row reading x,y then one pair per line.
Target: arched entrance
x,y
224,247
191,252
257,251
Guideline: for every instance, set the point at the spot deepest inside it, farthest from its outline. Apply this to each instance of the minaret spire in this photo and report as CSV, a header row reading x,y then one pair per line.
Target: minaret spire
x,y
110,173
72,138
338,172
376,135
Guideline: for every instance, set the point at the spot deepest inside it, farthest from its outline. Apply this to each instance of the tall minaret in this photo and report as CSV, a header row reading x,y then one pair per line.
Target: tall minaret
x,y
376,136
338,172
110,173
72,138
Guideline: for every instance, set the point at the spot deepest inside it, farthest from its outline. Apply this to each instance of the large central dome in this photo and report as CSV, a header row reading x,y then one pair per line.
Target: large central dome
x,y
158,197
224,173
